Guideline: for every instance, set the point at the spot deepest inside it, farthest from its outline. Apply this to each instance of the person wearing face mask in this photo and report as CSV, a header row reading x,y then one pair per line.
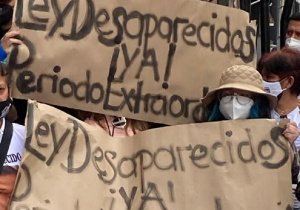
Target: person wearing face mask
x,y
281,74
239,96
293,35
12,140
280,71
293,32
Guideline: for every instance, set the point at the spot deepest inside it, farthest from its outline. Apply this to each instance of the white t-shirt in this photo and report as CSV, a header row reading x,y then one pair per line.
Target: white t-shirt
x,y
16,147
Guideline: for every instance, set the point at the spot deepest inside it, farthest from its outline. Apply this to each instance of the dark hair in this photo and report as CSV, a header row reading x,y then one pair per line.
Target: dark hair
x,y
260,109
6,12
295,16
12,114
283,63
4,73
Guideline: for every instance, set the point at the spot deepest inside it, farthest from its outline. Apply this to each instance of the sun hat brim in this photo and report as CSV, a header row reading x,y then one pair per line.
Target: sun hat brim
x,y
209,98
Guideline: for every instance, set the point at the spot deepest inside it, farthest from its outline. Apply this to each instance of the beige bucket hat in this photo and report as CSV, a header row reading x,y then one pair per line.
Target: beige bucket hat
x,y
241,77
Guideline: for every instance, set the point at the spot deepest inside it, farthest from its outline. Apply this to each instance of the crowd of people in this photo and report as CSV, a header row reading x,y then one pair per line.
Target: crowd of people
x,y
269,91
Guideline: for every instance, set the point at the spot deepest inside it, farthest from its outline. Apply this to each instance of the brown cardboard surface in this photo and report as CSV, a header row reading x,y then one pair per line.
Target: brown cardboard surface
x,y
228,165
147,60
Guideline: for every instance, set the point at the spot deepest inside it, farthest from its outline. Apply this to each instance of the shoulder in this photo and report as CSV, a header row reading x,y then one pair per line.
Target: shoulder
x,y
18,126
295,115
19,134
19,130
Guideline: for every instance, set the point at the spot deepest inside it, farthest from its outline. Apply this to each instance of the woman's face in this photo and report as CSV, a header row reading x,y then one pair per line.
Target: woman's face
x,y
285,82
235,104
4,92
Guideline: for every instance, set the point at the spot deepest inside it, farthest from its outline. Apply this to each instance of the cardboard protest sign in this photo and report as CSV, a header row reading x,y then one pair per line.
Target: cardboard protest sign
x,y
227,165
148,60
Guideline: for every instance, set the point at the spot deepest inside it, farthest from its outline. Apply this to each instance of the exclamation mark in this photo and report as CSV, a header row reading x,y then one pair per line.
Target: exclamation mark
x,y
218,204
171,191
172,49
77,205
113,65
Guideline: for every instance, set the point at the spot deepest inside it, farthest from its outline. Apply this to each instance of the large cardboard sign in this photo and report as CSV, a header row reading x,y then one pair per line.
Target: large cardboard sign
x,y
71,165
143,59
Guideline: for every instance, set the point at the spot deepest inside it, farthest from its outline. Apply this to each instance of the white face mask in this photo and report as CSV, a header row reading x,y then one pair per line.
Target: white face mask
x,y
273,88
293,43
231,109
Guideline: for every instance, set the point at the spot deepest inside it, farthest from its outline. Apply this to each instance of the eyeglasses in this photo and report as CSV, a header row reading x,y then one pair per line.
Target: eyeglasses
x,y
241,99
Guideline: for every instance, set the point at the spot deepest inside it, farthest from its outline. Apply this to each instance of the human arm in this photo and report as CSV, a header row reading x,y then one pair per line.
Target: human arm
x,y
291,132
7,41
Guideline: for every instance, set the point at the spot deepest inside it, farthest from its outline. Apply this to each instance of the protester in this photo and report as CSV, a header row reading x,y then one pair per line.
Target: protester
x,y
11,144
293,32
114,126
281,73
293,35
241,96
9,37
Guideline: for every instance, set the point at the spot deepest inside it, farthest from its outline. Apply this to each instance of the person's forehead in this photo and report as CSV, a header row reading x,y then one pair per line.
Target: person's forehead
x,y
269,75
294,24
